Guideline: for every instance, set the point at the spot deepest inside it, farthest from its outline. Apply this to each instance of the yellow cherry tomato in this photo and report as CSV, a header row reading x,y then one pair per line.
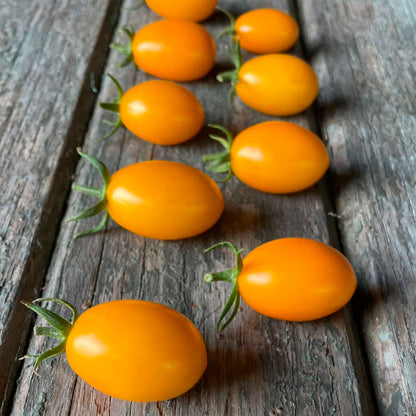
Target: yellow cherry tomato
x,y
161,112
189,10
136,350
164,200
275,156
174,50
278,157
130,349
277,84
264,31
293,279
156,199
296,279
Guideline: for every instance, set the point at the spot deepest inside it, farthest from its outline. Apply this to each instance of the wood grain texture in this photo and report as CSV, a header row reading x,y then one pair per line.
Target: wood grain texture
x,y
365,52
259,366
47,52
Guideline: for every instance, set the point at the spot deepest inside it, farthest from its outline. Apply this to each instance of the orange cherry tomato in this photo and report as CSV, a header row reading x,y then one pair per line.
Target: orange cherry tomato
x,y
293,279
174,50
277,84
274,156
296,279
131,349
164,200
136,350
161,112
278,157
266,31
156,199
189,10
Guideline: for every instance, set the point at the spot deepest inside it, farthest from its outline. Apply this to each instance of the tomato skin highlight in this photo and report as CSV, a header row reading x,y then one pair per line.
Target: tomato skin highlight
x,y
296,279
264,31
278,157
161,112
277,84
174,50
164,200
188,10
136,350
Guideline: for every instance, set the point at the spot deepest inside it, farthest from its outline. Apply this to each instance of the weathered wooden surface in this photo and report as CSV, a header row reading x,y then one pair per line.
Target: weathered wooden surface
x,y
47,52
295,368
365,53
259,366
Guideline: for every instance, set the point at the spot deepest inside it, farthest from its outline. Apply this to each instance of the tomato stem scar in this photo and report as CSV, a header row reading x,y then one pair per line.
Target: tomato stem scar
x,y
59,329
221,162
99,193
230,276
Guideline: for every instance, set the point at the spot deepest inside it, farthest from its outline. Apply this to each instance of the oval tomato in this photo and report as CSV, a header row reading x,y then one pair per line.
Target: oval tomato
x,y
164,200
156,199
142,108
131,349
161,112
278,157
266,31
174,50
293,279
277,84
189,10
274,156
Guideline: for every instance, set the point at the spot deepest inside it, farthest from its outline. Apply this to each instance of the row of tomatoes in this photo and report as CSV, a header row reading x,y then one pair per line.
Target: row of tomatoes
x,y
142,351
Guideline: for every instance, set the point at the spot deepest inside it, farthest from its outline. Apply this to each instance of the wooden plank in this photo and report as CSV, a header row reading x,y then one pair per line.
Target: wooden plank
x,y
365,52
260,365
47,52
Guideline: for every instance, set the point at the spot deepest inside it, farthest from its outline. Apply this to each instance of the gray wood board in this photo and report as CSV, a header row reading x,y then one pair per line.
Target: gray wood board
x,y
365,53
260,365
47,52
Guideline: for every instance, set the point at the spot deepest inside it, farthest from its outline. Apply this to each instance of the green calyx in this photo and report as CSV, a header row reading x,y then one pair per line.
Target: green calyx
x,y
124,49
230,276
136,7
221,162
59,327
232,76
99,193
113,106
229,30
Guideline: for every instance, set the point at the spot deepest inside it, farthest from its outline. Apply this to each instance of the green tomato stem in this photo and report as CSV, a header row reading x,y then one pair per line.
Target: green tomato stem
x,y
47,331
99,193
114,107
230,276
124,49
90,212
232,76
60,328
221,162
101,225
233,300
228,76
229,30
